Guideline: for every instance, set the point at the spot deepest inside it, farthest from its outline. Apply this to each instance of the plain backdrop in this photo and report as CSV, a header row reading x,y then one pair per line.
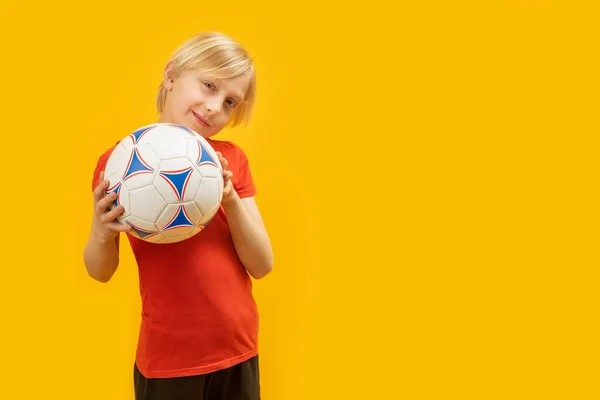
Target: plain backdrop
x,y
427,172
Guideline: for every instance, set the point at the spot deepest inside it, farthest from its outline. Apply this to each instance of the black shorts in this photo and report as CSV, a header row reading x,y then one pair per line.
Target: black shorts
x,y
239,382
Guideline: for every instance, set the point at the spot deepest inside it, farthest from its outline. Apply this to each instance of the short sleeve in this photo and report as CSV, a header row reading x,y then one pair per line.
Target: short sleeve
x,y
100,165
245,183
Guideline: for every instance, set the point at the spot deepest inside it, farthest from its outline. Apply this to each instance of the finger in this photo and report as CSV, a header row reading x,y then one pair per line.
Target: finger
x,y
227,175
223,160
112,214
100,190
119,227
104,203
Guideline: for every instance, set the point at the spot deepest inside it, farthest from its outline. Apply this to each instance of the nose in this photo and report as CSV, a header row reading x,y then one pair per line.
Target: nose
x,y
213,108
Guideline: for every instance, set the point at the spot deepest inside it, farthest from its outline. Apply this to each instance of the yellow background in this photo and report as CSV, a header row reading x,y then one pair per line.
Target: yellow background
x,y
428,175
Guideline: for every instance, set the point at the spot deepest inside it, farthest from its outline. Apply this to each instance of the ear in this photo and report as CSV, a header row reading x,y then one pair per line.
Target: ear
x,y
168,77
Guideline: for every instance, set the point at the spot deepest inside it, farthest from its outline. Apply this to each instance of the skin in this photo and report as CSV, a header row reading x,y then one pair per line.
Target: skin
x,y
204,104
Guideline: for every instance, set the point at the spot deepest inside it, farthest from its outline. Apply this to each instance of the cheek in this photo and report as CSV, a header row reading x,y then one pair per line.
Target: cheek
x,y
188,98
224,118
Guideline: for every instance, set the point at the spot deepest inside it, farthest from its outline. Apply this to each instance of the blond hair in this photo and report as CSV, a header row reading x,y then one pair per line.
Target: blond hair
x,y
216,54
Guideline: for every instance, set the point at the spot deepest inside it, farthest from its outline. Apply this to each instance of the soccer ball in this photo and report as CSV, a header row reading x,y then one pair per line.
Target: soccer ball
x,y
169,180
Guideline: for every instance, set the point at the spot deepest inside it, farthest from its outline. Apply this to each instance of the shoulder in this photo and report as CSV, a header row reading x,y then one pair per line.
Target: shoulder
x,y
101,164
242,179
104,156
225,145
230,150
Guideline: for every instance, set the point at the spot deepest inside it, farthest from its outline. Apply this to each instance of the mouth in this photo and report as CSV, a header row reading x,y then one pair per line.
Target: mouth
x,y
201,120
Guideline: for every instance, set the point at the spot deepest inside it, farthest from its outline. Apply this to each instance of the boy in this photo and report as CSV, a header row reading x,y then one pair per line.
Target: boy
x,y
199,330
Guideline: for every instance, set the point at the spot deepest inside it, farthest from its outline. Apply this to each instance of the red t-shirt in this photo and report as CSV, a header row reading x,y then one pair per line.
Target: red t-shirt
x,y
198,312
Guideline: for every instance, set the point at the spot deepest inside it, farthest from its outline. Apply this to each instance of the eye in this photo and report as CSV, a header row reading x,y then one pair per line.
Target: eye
x,y
210,86
231,103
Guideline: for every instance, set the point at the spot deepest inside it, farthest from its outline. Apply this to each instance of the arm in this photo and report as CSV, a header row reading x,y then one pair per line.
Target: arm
x,y
248,231
101,253
101,258
250,237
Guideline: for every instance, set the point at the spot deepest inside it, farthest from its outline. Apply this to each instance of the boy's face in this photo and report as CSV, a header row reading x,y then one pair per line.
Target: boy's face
x,y
201,102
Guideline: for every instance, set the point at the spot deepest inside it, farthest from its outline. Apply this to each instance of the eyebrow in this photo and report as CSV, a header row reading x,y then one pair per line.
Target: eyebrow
x,y
239,97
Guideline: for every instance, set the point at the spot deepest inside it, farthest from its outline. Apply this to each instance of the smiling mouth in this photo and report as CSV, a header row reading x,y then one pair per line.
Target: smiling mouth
x,y
201,120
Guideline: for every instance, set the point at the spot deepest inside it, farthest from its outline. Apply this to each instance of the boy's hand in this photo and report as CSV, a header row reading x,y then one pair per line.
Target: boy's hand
x,y
105,227
228,191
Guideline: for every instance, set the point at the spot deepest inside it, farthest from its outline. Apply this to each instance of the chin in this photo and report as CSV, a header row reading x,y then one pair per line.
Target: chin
x,y
206,135
204,131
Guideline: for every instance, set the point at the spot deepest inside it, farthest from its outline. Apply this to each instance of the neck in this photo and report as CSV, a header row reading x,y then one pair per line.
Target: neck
x,y
164,118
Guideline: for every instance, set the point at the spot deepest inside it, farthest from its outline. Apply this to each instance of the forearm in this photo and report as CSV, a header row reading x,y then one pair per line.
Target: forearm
x,y
250,239
101,258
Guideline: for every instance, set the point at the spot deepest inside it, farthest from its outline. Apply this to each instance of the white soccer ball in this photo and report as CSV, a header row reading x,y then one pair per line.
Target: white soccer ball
x,y
169,180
